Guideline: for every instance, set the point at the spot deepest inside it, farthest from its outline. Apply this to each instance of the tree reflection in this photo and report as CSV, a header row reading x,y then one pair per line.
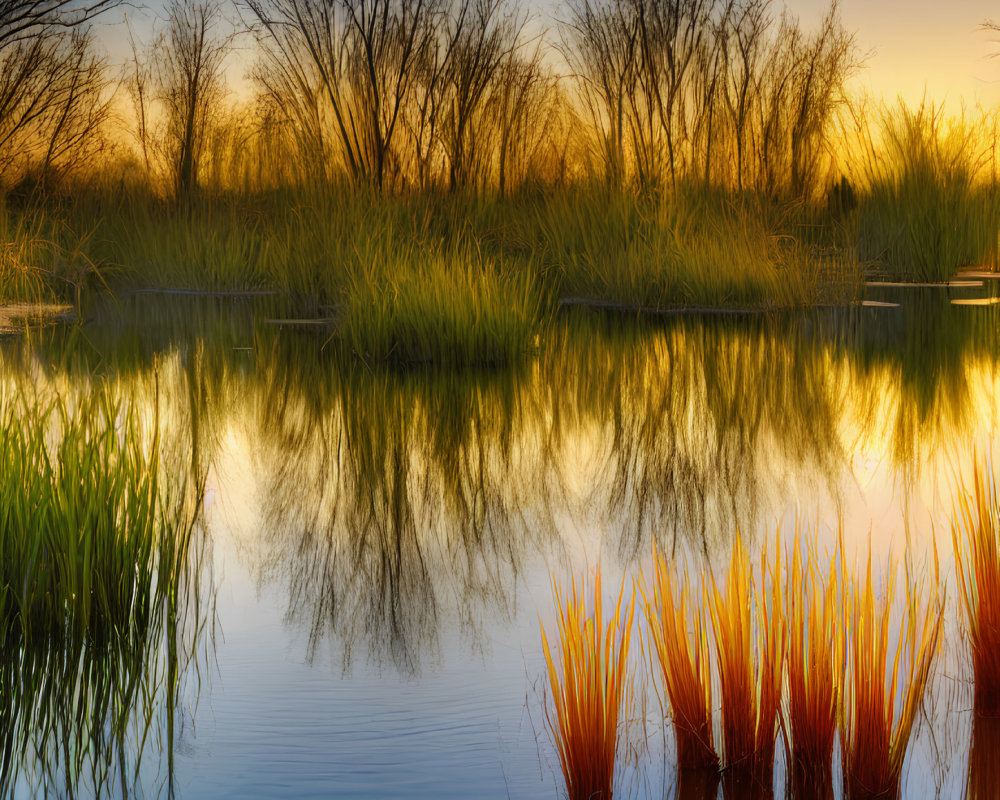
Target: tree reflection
x,y
391,500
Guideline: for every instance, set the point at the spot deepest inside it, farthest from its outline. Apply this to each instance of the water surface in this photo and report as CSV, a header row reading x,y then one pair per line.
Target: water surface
x,y
376,548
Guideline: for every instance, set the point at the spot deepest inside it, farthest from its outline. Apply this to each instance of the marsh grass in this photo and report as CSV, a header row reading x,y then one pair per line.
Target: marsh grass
x,y
93,547
695,248
680,640
444,306
24,249
748,623
884,684
45,255
814,670
927,206
216,247
590,686
975,532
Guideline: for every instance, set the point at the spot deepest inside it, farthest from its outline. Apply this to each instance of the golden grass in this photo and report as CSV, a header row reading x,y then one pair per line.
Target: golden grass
x,y
975,528
750,663
590,688
814,665
874,734
681,646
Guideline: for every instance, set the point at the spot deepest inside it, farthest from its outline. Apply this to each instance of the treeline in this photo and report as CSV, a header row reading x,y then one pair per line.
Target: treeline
x,y
404,95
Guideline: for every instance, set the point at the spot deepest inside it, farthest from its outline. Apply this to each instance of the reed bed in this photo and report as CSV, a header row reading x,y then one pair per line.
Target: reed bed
x,y
884,685
814,671
795,644
695,248
748,622
927,203
23,252
590,687
976,539
450,307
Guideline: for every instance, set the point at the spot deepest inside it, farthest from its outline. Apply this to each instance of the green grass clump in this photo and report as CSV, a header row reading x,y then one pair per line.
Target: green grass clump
x,y
92,549
212,248
21,251
448,306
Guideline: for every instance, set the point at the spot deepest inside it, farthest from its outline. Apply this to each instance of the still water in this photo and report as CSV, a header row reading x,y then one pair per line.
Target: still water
x,y
374,550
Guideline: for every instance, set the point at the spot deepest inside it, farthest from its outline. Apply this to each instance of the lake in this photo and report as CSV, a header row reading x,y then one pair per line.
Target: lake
x,y
373,551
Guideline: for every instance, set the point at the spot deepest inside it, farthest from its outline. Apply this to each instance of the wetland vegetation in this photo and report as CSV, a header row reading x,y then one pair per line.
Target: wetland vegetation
x,y
396,521
432,181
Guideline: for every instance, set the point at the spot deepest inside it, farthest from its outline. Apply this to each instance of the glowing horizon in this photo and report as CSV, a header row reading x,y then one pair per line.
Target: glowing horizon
x,y
921,47
914,50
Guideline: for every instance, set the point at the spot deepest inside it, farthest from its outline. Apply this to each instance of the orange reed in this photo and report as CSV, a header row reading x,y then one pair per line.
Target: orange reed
x,y
749,640
814,668
680,644
975,531
874,735
589,687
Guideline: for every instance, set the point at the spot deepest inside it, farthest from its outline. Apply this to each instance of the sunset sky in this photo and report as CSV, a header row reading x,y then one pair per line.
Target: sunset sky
x,y
911,45
922,43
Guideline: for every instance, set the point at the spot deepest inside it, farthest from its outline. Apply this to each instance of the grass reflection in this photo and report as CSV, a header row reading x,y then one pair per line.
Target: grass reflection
x,y
688,417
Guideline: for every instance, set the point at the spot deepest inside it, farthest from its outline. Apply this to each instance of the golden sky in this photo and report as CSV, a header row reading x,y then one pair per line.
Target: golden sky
x,y
911,45
922,43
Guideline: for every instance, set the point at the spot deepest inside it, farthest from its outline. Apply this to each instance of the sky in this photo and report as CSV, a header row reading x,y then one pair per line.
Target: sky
x,y
912,46
922,44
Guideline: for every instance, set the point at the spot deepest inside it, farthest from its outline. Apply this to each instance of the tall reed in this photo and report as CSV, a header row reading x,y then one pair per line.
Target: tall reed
x,y
681,645
590,687
975,531
444,306
814,667
875,732
748,621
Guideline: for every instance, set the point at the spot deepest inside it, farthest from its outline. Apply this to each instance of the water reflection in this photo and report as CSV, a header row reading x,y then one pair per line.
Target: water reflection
x,y
388,499
689,418
388,510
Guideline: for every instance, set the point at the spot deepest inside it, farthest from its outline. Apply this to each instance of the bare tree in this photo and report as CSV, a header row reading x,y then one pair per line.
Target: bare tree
x,y
600,42
30,20
480,49
530,115
710,73
671,37
54,101
138,85
676,87
828,58
743,43
291,95
190,85
364,54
